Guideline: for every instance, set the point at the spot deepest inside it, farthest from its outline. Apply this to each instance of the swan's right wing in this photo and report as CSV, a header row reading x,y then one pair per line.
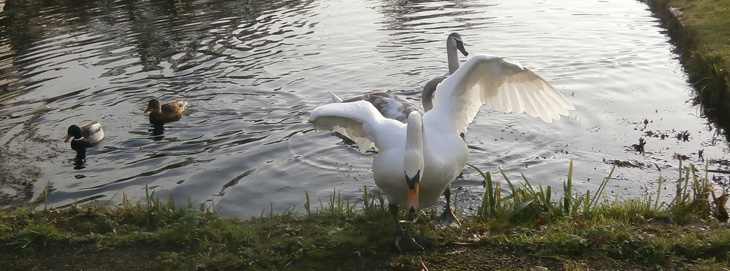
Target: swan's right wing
x,y
500,83
359,121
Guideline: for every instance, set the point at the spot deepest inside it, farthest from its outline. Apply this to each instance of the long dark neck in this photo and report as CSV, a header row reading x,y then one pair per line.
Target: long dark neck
x,y
452,55
428,91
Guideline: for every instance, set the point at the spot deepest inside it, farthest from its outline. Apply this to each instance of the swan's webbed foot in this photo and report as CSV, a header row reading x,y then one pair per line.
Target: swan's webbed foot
x,y
447,219
407,242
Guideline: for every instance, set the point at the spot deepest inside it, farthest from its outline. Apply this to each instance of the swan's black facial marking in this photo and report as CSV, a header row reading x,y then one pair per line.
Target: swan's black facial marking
x,y
413,181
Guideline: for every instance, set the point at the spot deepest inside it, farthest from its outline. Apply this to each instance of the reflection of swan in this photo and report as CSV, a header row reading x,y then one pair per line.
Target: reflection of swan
x,y
428,149
84,137
167,112
398,108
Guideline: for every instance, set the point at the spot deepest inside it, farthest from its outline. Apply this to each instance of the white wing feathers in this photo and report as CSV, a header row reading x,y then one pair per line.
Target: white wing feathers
x,y
360,121
502,84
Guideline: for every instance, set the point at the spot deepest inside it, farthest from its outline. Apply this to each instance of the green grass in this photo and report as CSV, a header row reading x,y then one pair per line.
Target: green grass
x,y
637,229
571,230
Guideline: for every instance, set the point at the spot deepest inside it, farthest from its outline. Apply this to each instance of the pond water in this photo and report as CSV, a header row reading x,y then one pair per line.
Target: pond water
x,y
252,71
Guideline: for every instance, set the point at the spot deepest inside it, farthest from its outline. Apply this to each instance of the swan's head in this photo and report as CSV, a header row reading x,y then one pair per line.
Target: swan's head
x,y
455,40
73,131
413,162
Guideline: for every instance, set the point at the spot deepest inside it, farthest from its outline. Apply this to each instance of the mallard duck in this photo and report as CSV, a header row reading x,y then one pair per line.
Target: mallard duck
x,y
398,108
83,137
167,112
428,148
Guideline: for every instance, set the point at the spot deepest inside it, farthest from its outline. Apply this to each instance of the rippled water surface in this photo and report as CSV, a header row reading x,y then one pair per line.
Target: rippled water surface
x,y
253,70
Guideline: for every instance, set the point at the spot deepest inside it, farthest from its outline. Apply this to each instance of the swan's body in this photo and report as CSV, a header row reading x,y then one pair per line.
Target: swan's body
x,y
83,137
167,112
398,108
500,83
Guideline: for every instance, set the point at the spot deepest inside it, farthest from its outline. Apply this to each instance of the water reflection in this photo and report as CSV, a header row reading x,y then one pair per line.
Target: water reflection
x,y
79,163
252,70
157,131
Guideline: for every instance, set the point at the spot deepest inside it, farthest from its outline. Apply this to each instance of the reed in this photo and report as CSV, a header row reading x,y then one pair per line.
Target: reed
x,y
528,203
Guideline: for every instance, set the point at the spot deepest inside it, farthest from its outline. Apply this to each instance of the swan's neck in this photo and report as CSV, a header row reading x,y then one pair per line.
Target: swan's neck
x,y
427,95
452,55
414,145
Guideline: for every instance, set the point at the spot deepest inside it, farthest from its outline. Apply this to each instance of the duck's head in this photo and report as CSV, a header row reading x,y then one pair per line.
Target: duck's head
x,y
153,105
73,131
454,39
413,162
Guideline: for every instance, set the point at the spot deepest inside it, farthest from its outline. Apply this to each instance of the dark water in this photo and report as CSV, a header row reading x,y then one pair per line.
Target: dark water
x,y
253,70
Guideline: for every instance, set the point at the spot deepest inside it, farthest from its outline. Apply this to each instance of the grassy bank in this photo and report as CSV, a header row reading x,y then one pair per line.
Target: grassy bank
x,y
530,227
700,30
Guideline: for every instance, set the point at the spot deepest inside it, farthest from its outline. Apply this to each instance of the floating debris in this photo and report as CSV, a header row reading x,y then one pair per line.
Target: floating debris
x,y
639,147
684,136
680,156
701,155
625,163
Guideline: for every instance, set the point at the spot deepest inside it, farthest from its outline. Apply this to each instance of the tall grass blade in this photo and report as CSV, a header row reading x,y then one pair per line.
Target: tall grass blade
x,y
658,193
594,200
568,191
511,186
487,208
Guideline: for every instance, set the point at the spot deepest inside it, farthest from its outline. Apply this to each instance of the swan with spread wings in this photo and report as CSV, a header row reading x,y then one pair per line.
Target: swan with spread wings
x,y
417,160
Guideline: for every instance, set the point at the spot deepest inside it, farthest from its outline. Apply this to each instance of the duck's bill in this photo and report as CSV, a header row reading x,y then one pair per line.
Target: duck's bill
x,y
67,138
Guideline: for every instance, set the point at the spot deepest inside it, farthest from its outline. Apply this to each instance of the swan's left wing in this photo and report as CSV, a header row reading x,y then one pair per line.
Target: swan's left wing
x,y
500,83
359,121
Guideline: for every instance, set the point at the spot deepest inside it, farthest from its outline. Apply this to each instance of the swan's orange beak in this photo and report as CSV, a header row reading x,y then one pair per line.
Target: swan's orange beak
x,y
413,198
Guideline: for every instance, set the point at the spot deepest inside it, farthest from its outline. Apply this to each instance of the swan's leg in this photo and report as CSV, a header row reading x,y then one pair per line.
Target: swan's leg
x,y
405,241
447,218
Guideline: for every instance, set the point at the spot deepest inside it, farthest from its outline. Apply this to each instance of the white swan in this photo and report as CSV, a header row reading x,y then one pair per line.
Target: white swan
x,y
398,108
500,83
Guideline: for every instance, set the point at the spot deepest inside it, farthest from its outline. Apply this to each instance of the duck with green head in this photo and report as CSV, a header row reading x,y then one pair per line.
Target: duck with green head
x,y
83,137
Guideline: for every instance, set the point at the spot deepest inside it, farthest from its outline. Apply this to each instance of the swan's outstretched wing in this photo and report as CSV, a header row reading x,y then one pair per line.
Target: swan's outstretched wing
x,y
359,121
500,83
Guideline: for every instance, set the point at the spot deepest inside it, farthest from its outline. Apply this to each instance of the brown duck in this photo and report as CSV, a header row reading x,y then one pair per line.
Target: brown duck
x,y
167,112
